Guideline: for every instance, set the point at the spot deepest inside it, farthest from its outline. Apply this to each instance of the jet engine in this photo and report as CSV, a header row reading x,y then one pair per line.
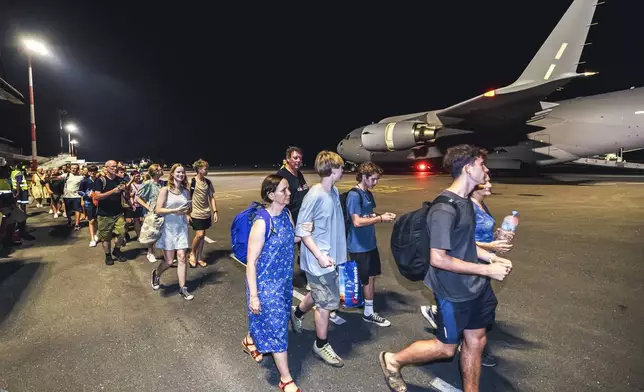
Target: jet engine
x,y
397,136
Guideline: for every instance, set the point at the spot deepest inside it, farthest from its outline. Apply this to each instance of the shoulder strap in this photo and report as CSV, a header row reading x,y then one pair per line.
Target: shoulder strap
x,y
442,199
267,219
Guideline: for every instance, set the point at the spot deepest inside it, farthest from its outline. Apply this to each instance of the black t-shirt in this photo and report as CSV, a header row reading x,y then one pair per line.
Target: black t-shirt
x,y
58,186
111,205
298,187
453,231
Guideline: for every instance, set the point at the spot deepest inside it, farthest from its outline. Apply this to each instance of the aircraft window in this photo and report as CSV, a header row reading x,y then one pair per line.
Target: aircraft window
x,y
348,137
341,143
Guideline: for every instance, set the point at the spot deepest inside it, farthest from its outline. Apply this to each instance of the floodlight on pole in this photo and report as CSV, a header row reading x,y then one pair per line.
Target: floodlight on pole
x,y
73,144
70,128
37,47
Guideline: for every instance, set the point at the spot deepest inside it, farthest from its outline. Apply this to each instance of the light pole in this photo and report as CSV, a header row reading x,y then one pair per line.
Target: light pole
x,y
70,128
38,48
61,113
73,143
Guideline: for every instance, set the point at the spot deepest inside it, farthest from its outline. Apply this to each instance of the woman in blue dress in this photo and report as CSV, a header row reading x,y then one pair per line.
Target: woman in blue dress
x,y
269,280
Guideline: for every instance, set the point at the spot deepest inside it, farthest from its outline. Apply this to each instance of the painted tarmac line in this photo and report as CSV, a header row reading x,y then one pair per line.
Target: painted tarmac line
x,y
208,240
443,386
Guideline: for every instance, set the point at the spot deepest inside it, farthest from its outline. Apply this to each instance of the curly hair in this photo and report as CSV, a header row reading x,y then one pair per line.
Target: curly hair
x,y
457,157
368,169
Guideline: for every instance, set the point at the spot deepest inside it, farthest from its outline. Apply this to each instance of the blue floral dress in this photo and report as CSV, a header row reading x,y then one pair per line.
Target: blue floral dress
x,y
269,328
484,231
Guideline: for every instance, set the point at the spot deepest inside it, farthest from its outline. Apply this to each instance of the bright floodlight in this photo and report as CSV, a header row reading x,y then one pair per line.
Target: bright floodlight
x,y
71,128
74,141
36,47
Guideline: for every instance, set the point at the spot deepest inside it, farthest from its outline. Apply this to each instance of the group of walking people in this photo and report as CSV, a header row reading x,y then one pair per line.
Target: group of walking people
x,y
464,256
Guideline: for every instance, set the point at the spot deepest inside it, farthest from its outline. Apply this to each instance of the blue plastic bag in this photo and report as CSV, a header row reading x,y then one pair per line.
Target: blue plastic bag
x,y
350,286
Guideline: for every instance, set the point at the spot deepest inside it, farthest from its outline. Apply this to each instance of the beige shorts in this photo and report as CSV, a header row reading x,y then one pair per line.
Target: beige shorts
x,y
325,290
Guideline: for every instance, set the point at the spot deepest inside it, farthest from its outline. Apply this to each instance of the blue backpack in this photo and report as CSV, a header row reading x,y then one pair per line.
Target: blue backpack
x,y
240,229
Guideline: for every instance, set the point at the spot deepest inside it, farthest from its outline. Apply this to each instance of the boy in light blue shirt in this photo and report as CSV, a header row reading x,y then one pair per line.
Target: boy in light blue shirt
x,y
362,242
324,248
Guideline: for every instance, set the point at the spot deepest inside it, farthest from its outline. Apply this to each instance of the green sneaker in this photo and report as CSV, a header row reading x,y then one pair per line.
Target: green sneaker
x,y
327,354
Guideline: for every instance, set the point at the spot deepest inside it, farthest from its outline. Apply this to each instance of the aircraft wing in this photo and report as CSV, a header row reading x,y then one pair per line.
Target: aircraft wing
x,y
7,92
554,65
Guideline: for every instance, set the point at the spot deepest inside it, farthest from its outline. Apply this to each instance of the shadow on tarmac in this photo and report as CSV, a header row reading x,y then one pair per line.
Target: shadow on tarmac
x,y
11,290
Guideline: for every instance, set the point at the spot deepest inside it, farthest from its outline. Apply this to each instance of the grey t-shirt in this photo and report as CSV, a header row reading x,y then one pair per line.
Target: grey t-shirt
x,y
324,210
457,237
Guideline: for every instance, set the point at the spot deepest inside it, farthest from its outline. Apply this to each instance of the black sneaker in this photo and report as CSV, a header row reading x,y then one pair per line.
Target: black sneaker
x,y
488,360
109,260
155,281
119,256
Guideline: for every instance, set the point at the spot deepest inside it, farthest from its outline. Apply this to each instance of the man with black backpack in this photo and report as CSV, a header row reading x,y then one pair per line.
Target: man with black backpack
x,y
361,239
460,283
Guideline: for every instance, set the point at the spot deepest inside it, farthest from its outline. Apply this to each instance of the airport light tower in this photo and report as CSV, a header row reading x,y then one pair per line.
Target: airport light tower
x,y
37,47
70,128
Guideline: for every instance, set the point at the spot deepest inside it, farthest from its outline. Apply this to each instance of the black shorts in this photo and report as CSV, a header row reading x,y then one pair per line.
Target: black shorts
x,y
90,211
72,204
455,317
139,212
201,224
368,264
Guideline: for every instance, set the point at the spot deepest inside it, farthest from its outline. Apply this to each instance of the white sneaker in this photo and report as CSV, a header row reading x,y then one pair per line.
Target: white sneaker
x,y
56,215
92,244
151,258
51,211
64,214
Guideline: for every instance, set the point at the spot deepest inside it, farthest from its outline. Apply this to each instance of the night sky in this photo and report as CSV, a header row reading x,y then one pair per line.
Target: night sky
x,y
240,84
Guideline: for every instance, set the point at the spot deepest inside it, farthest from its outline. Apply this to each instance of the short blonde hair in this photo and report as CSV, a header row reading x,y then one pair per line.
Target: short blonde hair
x,y
199,164
152,170
325,161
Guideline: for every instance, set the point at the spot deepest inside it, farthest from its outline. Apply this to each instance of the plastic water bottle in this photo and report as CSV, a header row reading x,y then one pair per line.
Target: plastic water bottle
x,y
508,226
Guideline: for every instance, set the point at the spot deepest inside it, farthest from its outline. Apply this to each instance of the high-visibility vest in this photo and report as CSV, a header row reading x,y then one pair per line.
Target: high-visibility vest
x,y
18,176
5,187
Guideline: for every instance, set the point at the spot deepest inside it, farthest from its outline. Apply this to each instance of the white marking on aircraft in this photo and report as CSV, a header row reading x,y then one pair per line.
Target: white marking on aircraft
x,y
639,112
552,68
561,51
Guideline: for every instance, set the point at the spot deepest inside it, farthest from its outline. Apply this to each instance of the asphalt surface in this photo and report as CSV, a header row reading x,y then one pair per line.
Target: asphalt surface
x,y
569,315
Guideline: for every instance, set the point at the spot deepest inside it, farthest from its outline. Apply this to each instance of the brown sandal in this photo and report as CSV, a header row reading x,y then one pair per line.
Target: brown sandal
x,y
253,353
192,261
284,384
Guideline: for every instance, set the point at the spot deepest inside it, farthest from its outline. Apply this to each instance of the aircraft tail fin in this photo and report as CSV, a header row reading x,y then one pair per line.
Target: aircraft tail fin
x,y
560,54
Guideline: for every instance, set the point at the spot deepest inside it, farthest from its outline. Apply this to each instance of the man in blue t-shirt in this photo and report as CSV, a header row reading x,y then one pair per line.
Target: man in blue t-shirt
x,y
361,240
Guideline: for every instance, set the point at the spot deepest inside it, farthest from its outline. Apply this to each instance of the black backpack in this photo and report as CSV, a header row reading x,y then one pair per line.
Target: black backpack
x,y
345,214
410,240
193,185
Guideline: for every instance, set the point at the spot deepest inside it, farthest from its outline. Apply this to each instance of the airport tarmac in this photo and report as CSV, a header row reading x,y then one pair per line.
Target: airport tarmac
x,y
569,316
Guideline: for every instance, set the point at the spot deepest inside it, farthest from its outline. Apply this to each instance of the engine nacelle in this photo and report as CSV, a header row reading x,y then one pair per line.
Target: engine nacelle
x,y
397,136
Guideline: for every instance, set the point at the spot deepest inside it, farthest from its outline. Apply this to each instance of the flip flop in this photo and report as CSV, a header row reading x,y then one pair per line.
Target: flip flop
x,y
192,261
202,263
